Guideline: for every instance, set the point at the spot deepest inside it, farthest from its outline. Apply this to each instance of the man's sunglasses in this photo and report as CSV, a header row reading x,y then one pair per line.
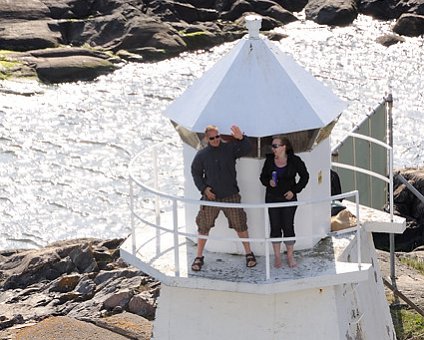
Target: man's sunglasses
x,y
215,137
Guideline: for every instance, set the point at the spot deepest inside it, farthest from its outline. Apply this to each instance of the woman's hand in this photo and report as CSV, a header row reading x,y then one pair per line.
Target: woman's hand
x,y
288,195
272,183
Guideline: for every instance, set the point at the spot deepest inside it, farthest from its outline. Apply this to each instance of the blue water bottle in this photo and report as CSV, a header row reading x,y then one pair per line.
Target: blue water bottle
x,y
274,177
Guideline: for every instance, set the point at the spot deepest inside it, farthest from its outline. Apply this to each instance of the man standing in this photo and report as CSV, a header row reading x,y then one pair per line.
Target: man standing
x,y
214,174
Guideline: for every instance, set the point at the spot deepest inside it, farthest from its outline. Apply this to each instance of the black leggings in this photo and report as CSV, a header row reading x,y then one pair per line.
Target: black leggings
x,y
282,219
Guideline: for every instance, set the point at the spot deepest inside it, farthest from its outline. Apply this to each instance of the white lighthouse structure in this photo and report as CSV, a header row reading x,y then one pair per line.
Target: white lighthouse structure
x,y
336,291
266,93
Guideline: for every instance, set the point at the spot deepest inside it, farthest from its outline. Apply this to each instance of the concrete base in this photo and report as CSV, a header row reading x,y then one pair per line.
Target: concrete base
x,y
210,315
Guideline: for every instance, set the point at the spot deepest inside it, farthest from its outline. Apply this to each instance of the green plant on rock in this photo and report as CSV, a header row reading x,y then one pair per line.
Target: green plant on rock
x,y
192,34
413,263
7,67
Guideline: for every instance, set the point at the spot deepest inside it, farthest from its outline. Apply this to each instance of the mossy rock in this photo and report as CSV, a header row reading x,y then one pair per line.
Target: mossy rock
x,y
200,39
68,69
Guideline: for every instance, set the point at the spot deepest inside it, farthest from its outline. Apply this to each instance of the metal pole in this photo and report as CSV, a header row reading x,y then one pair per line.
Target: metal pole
x,y
355,175
176,243
267,264
132,217
358,231
157,205
389,102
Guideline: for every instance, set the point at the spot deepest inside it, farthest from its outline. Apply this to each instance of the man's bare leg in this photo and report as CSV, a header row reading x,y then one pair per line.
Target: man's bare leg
x,y
246,245
201,243
198,261
250,258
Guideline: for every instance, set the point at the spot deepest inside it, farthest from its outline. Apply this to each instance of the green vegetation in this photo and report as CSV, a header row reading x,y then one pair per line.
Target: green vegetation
x,y
409,325
7,64
192,34
412,263
6,67
10,68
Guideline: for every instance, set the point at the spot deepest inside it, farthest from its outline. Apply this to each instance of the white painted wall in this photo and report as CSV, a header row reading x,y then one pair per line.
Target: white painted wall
x,y
210,315
365,300
309,219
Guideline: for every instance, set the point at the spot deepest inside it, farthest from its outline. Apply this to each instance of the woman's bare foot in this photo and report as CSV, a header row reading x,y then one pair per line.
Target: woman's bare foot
x,y
278,263
292,262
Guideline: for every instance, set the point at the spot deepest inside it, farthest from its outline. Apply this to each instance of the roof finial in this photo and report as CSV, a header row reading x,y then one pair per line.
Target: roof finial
x,y
253,24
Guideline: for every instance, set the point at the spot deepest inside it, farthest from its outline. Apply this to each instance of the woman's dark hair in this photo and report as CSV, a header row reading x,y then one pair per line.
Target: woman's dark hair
x,y
285,141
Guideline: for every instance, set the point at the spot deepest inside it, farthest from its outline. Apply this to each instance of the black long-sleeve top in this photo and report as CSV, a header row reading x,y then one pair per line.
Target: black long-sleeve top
x,y
286,181
215,167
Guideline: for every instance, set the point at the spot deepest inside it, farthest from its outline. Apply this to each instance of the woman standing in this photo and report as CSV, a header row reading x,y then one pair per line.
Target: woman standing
x,y
279,177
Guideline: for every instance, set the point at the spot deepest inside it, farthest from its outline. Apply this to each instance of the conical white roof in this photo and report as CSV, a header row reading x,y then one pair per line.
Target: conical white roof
x,y
259,88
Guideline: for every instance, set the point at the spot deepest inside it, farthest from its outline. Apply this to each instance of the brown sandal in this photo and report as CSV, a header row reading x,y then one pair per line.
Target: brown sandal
x,y
250,260
197,264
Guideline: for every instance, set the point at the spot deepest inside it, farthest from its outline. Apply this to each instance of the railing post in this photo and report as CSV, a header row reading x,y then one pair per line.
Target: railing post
x,y
358,231
176,243
134,245
355,176
391,236
389,106
157,205
266,238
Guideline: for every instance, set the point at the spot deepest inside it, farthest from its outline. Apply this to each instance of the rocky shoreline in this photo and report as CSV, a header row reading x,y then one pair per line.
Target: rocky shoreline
x,y
69,40
83,280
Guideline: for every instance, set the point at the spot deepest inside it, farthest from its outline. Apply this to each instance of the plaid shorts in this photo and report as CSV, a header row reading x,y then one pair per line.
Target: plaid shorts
x,y
207,215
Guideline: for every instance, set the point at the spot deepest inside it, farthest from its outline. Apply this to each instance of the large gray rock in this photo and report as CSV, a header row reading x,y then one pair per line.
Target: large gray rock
x,y
114,32
411,25
23,10
68,69
143,304
71,9
292,5
190,13
331,12
280,14
29,35
26,268
200,3
389,39
55,65
406,204
273,15
388,9
237,10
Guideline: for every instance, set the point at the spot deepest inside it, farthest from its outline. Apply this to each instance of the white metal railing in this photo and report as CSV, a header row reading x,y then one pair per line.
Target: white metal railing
x,y
388,180
175,199
384,178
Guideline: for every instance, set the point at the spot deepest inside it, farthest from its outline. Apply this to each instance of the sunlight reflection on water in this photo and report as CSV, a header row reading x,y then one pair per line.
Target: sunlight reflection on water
x,y
65,150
